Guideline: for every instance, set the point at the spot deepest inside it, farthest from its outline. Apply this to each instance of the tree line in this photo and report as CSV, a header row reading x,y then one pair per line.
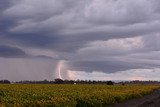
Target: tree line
x,y
58,81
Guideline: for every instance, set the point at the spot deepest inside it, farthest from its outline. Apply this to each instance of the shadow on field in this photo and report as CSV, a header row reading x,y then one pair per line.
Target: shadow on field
x,y
151,100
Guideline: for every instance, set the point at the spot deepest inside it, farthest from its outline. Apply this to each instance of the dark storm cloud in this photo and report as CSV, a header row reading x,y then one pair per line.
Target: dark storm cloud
x,y
43,41
67,27
11,52
77,23
5,23
4,4
104,66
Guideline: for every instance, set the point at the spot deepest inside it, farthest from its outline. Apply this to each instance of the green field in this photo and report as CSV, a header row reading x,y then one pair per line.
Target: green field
x,y
50,95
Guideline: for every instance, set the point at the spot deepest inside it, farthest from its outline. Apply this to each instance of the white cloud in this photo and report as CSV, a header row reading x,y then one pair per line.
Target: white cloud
x,y
101,50
133,74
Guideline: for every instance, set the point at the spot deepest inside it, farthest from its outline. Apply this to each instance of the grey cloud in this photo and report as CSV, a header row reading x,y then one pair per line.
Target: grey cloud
x,y
4,4
38,10
17,69
152,42
5,23
60,29
66,21
107,66
46,42
11,52
152,55
66,27
119,12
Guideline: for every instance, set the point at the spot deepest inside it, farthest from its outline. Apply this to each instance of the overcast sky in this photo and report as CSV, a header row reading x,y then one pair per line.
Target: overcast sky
x,y
80,39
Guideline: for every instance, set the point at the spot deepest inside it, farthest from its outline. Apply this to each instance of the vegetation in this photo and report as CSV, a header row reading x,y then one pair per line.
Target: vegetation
x,y
59,95
4,82
60,81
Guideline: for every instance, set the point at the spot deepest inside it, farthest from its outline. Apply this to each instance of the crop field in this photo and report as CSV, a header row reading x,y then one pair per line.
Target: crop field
x,y
52,95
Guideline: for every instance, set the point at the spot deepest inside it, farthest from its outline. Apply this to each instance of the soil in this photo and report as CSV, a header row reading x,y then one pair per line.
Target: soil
x,y
151,100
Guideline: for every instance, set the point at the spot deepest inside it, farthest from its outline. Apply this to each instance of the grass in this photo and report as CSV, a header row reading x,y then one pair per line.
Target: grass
x,y
52,95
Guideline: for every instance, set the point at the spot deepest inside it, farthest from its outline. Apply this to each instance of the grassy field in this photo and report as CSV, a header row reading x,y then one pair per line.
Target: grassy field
x,y
45,95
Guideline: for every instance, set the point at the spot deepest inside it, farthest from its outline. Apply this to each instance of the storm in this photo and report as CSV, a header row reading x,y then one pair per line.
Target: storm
x,y
80,39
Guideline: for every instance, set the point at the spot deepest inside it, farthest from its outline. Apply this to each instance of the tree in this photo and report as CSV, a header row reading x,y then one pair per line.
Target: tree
x,y
5,81
110,83
58,81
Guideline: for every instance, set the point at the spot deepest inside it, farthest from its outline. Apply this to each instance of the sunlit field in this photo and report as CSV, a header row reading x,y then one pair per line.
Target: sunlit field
x,y
49,95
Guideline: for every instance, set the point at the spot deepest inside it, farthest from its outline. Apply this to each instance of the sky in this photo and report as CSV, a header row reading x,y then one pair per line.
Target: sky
x,y
80,39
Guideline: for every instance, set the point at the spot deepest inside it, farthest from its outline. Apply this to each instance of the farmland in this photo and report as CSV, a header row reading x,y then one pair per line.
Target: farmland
x,y
49,95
